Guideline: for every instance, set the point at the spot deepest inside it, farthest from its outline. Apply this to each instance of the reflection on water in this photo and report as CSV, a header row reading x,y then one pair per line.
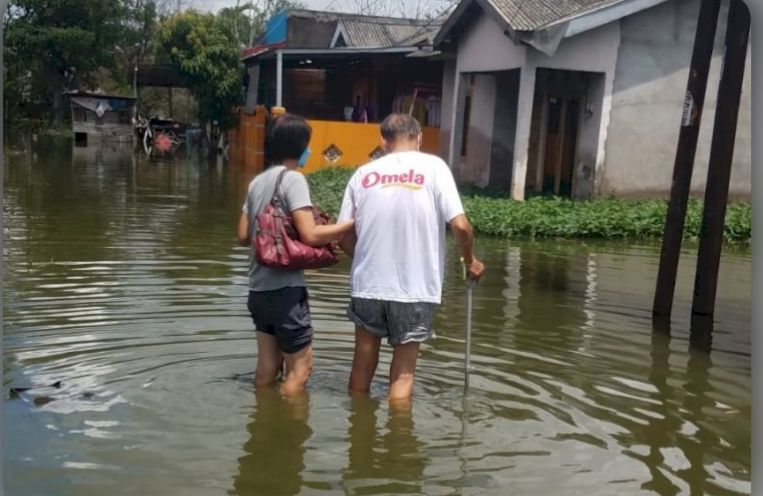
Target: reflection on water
x,y
276,422
123,282
383,461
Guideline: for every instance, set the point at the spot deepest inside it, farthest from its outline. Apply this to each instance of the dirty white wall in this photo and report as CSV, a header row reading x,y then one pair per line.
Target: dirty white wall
x,y
632,137
650,83
475,168
446,116
485,48
593,51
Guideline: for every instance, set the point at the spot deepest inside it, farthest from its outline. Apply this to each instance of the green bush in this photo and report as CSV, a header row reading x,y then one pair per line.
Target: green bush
x,y
556,217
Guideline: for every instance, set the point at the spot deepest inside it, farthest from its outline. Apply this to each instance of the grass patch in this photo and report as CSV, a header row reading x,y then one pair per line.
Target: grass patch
x,y
554,217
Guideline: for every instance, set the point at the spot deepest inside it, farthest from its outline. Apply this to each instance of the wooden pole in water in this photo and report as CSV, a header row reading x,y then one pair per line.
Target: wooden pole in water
x,y
684,162
721,156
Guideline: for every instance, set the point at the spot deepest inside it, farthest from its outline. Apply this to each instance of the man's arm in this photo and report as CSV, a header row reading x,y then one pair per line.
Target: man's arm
x,y
451,207
464,234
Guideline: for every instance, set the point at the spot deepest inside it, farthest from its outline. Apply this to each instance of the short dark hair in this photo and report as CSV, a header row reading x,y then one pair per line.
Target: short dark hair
x,y
397,126
287,138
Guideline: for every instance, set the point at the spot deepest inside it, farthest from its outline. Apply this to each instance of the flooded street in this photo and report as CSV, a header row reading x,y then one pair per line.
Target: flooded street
x,y
123,282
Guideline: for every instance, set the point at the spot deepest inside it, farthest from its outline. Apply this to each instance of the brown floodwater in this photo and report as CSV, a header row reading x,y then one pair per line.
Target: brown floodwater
x,y
124,283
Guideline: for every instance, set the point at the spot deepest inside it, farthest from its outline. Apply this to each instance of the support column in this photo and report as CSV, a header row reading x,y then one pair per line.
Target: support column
x,y
522,139
252,92
457,124
540,164
279,78
684,162
721,156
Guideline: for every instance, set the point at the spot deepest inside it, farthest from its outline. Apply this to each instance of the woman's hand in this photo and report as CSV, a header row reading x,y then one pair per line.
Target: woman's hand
x,y
313,235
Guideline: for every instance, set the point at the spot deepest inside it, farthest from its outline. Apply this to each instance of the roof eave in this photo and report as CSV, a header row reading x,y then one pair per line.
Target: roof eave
x,y
489,9
576,23
592,19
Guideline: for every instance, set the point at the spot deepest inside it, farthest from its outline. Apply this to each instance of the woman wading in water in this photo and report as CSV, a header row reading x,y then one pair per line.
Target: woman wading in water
x,y
278,299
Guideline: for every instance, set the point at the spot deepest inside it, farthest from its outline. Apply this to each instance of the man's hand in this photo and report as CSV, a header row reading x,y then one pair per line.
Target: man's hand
x,y
475,269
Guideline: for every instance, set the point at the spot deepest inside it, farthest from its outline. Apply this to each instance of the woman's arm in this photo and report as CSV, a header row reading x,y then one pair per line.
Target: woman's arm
x,y
243,230
313,235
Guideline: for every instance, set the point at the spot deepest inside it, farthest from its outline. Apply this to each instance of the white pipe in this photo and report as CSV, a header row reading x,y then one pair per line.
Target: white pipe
x,y
279,79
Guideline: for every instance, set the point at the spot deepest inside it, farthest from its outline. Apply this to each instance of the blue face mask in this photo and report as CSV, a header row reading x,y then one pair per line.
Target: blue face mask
x,y
303,159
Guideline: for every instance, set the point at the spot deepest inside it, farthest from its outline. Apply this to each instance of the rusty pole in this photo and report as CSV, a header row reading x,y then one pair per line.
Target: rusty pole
x,y
721,156
684,161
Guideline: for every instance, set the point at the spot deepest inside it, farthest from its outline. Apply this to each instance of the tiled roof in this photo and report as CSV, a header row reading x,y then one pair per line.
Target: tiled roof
x,y
529,15
363,33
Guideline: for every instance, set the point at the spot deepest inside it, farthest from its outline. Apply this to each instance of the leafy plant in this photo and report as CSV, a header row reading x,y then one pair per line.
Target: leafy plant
x,y
202,48
54,46
557,218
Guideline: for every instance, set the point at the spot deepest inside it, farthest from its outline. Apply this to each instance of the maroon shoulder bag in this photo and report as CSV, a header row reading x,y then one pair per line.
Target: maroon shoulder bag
x,y
276,244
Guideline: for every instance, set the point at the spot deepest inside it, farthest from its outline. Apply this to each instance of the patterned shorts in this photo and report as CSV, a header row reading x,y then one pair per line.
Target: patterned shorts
x,y
400,323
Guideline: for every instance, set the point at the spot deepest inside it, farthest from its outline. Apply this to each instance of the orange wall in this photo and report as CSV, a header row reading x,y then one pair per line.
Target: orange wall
x,y
356,142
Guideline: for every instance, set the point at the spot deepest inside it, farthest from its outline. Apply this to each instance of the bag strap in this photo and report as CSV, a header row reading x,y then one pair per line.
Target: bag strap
x,y
277,190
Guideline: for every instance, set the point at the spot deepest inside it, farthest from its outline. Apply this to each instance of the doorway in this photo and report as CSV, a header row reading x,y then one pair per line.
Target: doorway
x,y
561,143
558,108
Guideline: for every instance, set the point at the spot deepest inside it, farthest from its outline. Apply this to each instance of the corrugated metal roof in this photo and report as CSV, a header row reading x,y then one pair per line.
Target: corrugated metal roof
x,y
529,15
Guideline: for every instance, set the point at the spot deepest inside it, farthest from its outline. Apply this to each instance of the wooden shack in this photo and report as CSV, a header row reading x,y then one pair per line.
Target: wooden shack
x,y
101,117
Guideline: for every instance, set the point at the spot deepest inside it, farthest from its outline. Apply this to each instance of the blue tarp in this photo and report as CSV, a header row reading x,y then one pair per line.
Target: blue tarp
x,y
276,29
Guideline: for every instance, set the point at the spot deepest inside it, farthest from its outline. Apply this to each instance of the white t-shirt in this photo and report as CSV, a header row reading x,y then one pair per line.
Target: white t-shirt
x,y
401,204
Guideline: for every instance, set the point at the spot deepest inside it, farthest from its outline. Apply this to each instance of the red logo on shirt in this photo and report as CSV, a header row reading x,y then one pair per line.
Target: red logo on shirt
x,y
411,180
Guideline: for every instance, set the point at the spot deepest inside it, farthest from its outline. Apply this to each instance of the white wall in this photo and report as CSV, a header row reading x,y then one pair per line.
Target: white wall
x,y
592,51
644,59
649,89
446,117
476,167
484,47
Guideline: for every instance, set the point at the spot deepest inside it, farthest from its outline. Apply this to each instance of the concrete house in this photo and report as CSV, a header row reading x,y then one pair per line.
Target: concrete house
x,y
579,98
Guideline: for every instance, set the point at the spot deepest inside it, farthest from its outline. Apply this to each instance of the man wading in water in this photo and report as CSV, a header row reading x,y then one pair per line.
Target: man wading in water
x,y
401,204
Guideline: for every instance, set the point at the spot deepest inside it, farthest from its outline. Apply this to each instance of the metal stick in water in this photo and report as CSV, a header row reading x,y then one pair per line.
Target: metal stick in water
x,y
468,353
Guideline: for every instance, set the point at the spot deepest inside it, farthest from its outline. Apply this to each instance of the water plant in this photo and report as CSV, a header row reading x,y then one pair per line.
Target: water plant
x,y
538,217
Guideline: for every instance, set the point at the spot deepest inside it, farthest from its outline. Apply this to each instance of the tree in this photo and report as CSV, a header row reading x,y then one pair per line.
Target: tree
x,y
412,9
52,46
201,47
141,22
236,22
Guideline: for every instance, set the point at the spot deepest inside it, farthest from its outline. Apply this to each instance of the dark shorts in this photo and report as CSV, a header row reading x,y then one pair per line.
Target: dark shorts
x,y
285,314
399,322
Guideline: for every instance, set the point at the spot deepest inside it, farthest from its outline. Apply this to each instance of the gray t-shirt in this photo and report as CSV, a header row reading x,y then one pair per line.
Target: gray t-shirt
x,y
296,194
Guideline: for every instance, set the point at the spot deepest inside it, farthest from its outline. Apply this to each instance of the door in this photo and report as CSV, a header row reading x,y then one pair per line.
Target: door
x,y
560,145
